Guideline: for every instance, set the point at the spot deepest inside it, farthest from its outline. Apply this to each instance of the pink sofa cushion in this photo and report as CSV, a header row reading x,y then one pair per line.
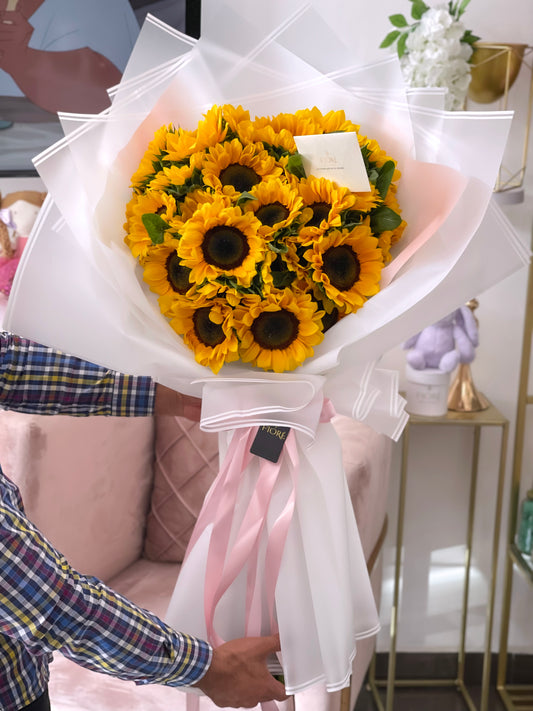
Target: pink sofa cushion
x,y
85,482
186,462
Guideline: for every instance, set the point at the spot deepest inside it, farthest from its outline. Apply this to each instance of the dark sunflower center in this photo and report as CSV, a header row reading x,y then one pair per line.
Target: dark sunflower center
x,y
274,330
271,214
209,333
178,275
240,176
342,267
320,212
225,247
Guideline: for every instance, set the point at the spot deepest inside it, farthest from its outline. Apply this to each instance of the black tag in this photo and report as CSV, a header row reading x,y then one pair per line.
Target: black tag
x,y
269,442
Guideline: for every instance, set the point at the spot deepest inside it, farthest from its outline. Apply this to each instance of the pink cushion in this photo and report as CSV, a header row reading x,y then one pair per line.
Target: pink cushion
x,y
85,482
186,462
366,456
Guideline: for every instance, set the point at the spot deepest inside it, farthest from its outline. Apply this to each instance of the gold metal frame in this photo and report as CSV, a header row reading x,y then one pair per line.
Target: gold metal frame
x,y
509,53
517,696
490,417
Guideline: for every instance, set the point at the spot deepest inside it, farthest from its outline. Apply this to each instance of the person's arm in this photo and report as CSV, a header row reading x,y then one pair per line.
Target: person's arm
x,y
74,81
48,606
36,379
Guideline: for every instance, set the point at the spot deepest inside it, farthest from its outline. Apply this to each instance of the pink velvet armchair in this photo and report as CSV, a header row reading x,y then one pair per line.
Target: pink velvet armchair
x,y
119,497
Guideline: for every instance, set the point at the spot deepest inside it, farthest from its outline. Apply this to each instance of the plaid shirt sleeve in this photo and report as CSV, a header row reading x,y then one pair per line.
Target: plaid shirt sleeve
x,y
38,380
47,606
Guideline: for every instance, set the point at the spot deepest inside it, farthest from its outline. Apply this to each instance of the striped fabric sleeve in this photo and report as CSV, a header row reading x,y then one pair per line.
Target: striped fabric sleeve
x,y
39,380
48,606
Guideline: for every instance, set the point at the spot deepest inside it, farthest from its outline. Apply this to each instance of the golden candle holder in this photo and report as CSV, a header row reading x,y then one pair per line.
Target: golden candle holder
x,y
495,68
463,395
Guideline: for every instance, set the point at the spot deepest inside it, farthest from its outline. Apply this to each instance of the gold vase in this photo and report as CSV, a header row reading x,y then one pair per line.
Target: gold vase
x,y
494,70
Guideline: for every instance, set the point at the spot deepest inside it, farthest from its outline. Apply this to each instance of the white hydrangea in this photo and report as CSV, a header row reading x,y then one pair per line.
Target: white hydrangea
x,y
435,56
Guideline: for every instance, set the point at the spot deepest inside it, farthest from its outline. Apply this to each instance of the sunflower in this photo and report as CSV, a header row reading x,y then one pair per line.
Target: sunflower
x,y
197,198
278,143
206,327
172,176
276,206
347,266
278,332
152,202
367,201
164,272
181,145
376,154
156,151
237,118
308,121
221,242
327,201
240,167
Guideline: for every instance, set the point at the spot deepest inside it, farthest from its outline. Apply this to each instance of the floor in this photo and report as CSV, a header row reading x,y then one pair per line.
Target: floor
x,y
444,666
429,700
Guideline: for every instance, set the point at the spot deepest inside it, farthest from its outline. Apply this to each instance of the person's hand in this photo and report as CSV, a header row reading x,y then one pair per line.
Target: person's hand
x,y
238,676
15,33
170,402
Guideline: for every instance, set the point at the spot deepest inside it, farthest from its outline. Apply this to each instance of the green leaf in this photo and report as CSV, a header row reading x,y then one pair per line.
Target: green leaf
x,y
276,151
401,45
295,166
351,218
232,283
469,38
462,7
155,226
398,21
418,9
283,280
383,219
385,178
390,39
244,198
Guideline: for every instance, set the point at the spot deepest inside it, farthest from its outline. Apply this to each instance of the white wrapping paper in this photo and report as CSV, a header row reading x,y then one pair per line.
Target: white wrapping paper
x,y
78,289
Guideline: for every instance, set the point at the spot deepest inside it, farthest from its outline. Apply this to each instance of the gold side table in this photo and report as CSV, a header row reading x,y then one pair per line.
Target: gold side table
x,y
490,417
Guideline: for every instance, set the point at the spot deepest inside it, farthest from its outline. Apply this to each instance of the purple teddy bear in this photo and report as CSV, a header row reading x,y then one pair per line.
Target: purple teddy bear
x,y
446,343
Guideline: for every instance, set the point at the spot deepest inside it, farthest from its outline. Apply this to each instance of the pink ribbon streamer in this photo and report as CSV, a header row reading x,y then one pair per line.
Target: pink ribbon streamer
x,y
225,562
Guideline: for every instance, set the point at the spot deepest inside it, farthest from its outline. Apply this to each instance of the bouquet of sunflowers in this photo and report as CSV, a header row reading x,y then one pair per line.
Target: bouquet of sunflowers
x,y
241,278
251,258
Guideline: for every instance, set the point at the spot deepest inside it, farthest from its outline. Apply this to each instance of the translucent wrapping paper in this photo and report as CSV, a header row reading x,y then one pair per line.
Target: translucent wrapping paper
x,y
290,557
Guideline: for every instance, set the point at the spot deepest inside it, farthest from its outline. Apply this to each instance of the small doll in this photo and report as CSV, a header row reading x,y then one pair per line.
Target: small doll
x,y
446,343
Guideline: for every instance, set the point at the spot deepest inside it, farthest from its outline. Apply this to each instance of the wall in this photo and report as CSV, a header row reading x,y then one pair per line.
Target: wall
x,y
439,463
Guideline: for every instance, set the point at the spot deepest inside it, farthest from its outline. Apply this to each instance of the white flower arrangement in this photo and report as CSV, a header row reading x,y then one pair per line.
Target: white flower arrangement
x,y
435,50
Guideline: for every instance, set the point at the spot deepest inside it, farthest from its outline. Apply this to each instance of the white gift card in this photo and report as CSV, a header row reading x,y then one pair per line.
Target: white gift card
x,y
335,156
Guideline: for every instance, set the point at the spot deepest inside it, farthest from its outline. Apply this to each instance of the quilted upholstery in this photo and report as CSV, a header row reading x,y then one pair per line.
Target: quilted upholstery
x,y
186,462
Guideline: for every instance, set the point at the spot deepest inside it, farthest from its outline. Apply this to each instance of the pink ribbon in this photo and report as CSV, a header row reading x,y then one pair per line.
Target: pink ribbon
x,y
224,561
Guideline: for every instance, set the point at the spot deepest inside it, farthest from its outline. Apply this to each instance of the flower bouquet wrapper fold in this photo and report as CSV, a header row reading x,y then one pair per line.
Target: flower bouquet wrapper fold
x,y
276,546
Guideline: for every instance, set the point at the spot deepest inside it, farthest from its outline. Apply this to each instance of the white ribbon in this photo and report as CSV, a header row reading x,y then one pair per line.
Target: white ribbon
x,y
284,400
